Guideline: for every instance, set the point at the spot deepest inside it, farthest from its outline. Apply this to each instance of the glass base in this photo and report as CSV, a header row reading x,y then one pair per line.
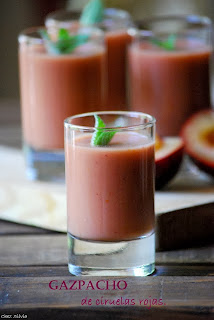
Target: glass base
x,y
44,165
124,258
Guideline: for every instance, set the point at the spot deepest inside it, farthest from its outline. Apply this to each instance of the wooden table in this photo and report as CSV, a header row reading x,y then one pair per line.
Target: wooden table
x,y
31,257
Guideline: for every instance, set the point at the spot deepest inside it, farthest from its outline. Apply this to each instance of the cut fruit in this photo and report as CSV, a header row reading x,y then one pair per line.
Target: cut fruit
x,y
168,159
158,142
198,137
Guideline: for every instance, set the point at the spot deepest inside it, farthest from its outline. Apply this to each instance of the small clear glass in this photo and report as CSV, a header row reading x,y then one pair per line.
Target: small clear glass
x,y
54,87
115,25
169,69
110,195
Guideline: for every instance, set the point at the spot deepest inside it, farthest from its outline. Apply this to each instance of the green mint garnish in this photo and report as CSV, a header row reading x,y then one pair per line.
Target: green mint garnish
x,y
92,13
168,44
101,137
65,42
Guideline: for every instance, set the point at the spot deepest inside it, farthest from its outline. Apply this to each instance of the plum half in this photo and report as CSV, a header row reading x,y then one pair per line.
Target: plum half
x,y
168,158
198,137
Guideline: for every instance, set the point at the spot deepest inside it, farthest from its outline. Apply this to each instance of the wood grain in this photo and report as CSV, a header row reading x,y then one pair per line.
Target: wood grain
x,y
52,271
174,291
189,226
31,250
11,228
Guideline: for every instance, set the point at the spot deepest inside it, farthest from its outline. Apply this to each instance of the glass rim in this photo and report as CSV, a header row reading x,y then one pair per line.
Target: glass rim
x,y
190,18
132,114
54,16
32,33
120,19
202,22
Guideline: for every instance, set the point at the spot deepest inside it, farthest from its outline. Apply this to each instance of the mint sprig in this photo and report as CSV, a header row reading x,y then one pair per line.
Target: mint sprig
x,y
101,137
168,44
92,13
65,42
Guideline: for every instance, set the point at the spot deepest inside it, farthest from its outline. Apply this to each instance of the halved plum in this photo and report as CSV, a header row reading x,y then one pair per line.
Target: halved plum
x,y
198,137
168,157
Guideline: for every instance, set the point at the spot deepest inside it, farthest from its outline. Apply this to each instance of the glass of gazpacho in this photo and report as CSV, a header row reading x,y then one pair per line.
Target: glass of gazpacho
x,y
109,161
115,24
59,77
169,65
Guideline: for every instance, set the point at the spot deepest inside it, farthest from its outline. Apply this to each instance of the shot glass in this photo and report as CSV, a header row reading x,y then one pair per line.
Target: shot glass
x,y
110,194
115,25
169,69
53,87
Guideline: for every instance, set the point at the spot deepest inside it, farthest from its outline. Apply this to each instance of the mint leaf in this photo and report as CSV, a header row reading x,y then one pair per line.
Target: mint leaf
x,y
92,12
168,44
99,122
63,34
65,42
101,137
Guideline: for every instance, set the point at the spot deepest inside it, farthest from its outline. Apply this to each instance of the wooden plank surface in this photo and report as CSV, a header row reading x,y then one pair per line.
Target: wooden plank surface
x,y
11,228
185,295
29,262
195,225
52,271
170,289
52,250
